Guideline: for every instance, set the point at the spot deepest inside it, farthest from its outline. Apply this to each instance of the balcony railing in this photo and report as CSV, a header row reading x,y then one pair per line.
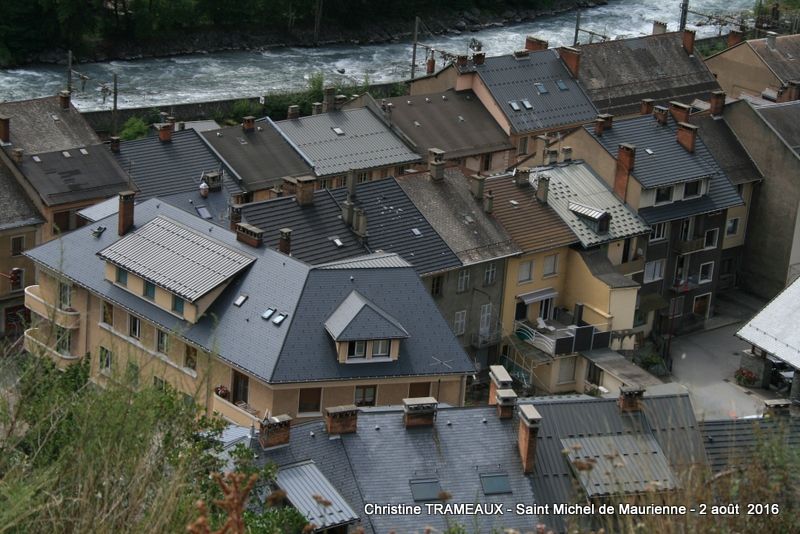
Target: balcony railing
x,y
37,343
633,266
687,246
230,411
566,340
63,318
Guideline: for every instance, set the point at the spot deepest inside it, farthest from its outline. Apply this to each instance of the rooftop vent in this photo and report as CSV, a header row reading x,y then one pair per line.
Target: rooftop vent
x,y
337,242
416,232
428,100
97,232
460,118
37,159
417,124
241,299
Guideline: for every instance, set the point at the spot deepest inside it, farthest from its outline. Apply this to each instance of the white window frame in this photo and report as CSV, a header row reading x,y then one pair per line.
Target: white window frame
x,y
463,280
652,277
716,238
11,244
700,279
529,276
659,230
362,177
554,270
735,221
133,320
380,348
490,274
460,322
357,354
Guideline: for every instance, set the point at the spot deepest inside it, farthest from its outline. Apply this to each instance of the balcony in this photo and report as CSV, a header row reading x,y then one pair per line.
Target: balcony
x,y
63,318
684,286
633,266
239,415
554,338
36,342
687,246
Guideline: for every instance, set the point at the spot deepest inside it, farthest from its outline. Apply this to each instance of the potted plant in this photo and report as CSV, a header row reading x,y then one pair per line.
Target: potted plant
x,y
745,377
222,391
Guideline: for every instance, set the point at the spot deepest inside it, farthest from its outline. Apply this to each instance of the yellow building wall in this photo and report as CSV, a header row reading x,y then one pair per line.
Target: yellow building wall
x,y
739,70
583,287
741,212
622,307
8,262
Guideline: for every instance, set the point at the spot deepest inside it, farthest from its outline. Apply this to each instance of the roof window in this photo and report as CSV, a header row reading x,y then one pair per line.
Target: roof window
x,y
526,103
337,242
514,105
279,319
66,154
84,151
561,85
203,212
416,232
37,159
267,314
337,130
541,88
427,489
495,484
240,300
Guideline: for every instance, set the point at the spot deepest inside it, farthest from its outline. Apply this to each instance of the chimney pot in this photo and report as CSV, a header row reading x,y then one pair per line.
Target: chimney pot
x,y
498,379
64,99
5,129
419,411
571,58
717,102
679,111
293,112
505,400
630,398
430,65
203,189
688,41
16,155
542,188
248,123
165,132
339,102
523,177
341,419
659,27
125,213
479,58
687,135
626,156
171,120
533,43
285,241
436,164
772,40
249,234
114,143
461,60
274,431
476,185
550,156
646,106
566,154
529,423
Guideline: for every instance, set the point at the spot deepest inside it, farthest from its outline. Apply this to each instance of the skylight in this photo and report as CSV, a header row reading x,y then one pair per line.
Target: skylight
x,y
240,300
416,232
267,314
37,159
527,104
495,484
425,489
417,124
514,105
649,151
279,319
84,151
337,242
337,130
561,85
203,212
66,154
541,88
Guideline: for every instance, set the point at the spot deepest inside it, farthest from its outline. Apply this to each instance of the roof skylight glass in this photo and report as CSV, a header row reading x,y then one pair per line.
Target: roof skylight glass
x,y
416,232
267,314
425,489
495,484
337,130
527,104
240,300
561,85
541,88
203,212
514,105
279,319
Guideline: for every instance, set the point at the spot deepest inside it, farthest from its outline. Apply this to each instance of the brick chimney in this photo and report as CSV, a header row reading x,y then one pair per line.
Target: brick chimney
x,y
461,60
734,37
529,422
125,214
542,188
476,185
571,58
646,106
114,144
248,123
687,135
214,180
661,113
316,108
498,379
790,92
534,43
717,102
285,241
16,155
436,164
603,123
302,187
419,411
630,398
523,177
328,99
341,419
430,65
772,40
235,216
625,159
505,400
659,27
679,112
479,58
165,132
688,41
293,112
64,99
274,431
777,407
249,234
5,129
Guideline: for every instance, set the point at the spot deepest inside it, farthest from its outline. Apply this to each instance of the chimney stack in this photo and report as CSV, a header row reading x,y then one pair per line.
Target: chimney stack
x,y
534,43
625,159
248,123
274,431
566,154
64,100
351,184
687,135
717,102
646,106
479,58
419,411
328,99
203,189
505,400
529,423
214,180
339,102
114,143
165,132
360,222
285,241
316,108
498,379
249,234
476,185
661,113
790,92
16,155
430,65
772,40
235,216
542,188
630,398
488,202
171,120
679,112
125,214
734,37
659,27
688,41
293,112
571,58
461,60
436,164
341,419
5,129
777,407
602,123
302,187
551,156
523,177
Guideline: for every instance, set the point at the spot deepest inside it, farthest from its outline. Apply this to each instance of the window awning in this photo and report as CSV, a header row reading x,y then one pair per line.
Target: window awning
x,y
536,296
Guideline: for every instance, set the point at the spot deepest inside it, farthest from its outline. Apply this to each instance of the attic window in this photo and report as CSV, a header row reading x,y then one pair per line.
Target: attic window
x,y
84,151
416,232
66,154
203,212
514,105
267,314
561,85
279,319
337,242
495,484
427,489
649,151
337,130
240,300
541,88
527,104
37,159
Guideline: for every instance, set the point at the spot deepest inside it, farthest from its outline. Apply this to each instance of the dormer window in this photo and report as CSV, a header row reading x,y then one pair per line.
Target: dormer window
x,y
122,276
692,189
177,304
356,350
380,348
664,194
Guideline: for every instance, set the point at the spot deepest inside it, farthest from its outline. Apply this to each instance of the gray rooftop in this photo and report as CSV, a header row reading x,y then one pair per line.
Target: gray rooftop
x,y
310,492
576,183
734,442
365,142
727,150
451,209
601,268
785,120
781,60
74,175
357,318
16,209
774,328
41,125
512,80
177,258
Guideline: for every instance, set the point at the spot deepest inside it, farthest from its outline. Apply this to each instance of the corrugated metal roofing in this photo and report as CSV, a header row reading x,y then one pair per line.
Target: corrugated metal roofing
x,y
180,260
357,318
314,496
774,328
365,144
512,80
733,442
367,262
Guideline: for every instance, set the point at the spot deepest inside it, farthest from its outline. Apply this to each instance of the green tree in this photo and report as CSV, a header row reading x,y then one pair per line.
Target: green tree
x,y
134,128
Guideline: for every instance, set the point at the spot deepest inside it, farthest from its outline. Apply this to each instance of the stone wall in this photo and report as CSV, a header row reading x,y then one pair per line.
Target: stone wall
x,y
759,365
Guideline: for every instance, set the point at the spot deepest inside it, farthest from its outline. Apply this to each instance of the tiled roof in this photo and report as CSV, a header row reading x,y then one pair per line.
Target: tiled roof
x,y
513,80
782,60
734,442
774,328
618,74
727,151
472,233
784,119
532,225
455,122
16,209
179,259
41,125
357,318
306,487
338,141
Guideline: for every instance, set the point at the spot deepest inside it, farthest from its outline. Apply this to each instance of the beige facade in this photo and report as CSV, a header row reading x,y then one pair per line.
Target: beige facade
x,y
12,242
736,222
739,71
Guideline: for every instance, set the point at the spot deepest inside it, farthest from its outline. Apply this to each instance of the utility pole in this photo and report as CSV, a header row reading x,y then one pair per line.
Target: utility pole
x,y
114,110
577,27
69,71
414,49
317,21
684,13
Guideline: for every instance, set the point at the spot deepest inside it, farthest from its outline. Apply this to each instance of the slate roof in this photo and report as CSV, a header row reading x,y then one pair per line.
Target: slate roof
x,y
456,122
774,328
304,485
733,442
510,79
449,206
365,142
782,60
40,125
179,259
618,74
668,164
785,120
390,213
357,318
727,150
87,173
532,225
16,209
299,349
576,182
262,157
601,268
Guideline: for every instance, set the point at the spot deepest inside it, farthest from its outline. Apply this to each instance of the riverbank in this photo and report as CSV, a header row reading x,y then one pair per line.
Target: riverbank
x,y
384,31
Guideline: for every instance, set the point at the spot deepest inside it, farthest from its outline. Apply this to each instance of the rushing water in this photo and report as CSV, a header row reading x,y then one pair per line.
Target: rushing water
x,y
201,77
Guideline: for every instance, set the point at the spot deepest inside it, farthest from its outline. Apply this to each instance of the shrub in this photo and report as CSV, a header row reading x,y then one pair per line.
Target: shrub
x,y
134,128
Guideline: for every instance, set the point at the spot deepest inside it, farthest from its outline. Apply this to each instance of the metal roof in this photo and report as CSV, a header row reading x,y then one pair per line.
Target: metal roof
x,y
357,318
366,142
310,492
101,210
727,150
785,120
732,442
41,125
774,328
575,190
177,258
512,80
621,367
369,261
16,209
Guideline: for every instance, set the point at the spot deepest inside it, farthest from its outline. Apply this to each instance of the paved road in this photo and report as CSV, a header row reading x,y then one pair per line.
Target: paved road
x,y
701,361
